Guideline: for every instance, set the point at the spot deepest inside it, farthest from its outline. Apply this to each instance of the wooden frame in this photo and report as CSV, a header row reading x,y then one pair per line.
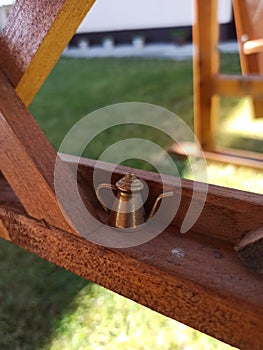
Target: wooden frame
x,y
209,83
207,287
250,38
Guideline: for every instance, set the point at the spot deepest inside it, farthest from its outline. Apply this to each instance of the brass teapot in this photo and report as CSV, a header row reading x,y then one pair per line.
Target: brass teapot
x,y
128,210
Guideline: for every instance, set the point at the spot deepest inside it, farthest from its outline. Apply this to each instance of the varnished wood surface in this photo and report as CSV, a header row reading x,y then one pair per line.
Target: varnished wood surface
x,y
207,287
27,158
248,21
228,214
33,39
205,67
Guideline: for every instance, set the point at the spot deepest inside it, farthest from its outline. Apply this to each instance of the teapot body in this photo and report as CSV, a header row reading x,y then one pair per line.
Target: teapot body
x,y
127,211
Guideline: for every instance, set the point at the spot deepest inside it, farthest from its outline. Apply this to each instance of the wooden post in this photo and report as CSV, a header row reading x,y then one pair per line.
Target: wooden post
x,y
205,67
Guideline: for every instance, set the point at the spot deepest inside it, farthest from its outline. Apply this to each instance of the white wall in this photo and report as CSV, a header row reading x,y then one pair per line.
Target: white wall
x,y
107,15
4,12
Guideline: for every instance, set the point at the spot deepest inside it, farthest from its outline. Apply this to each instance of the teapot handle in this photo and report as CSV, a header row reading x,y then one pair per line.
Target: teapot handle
x,y
101,186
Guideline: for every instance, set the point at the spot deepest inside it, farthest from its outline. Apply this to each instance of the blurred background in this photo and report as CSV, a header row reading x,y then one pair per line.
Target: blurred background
x,y
123,51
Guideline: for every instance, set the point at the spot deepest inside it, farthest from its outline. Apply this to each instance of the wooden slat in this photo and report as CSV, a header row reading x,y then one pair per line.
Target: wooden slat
x,y
248,21
33,39
205,66
27,159
253,46
244,27
238,86
207,288
221,155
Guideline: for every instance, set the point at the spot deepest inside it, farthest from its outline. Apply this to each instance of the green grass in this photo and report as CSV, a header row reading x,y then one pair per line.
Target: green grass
x,y
77,87
44,307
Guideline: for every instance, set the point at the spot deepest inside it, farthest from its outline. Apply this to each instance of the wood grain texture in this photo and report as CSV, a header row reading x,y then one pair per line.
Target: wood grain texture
x,y
33,39
27,159
250,250
205,67
228,214
207,288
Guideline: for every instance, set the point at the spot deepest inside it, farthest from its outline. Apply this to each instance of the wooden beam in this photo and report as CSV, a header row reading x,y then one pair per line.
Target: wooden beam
x,y
227,215
245,32
249,28
33,39
238,86
27,159
221,155
253,46
205,66
205,286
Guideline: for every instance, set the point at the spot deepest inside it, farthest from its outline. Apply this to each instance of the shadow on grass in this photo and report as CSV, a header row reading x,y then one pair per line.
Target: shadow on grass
x,y
33,295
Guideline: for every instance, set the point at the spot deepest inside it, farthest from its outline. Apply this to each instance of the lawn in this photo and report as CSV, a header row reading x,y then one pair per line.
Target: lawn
x,y
44,307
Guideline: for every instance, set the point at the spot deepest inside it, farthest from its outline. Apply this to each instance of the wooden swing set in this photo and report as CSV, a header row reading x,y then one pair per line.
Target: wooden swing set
x,y
210,289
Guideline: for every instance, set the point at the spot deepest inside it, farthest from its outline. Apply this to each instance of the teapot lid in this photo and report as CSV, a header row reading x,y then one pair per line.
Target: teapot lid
x,y
129,183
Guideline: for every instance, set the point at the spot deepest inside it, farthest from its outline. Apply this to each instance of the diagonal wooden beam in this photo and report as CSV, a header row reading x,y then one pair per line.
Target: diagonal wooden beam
x,y
27,158
249,27
33,39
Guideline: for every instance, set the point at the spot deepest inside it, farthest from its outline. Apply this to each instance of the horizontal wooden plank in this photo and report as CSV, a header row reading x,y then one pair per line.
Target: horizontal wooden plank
x,y
253,46
238,86
33,39
228,214
221,155
205,286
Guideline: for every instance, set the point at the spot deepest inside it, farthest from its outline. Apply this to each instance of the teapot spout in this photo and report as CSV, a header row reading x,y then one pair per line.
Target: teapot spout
x,y
157,202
